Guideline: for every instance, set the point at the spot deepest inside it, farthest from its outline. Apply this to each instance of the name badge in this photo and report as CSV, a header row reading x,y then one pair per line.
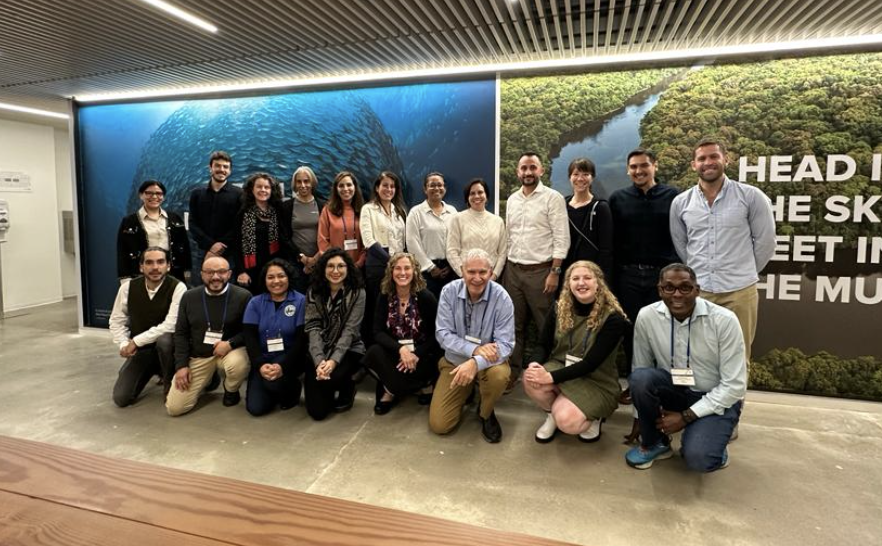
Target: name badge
x,y
473,339
683,377
408,343
350,244
275,345
573,359
212,337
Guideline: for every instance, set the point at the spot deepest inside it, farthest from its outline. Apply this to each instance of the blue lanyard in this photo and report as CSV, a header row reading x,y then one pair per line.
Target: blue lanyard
x,y
688,342
467,315
205,308
276,315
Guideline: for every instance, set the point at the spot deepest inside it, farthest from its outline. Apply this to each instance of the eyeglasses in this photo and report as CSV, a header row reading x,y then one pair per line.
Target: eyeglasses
x,y
435,185
683,288
213,272
154,194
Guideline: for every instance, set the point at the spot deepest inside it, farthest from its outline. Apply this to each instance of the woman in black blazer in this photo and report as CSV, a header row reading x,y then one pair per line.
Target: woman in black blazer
x,y
152,226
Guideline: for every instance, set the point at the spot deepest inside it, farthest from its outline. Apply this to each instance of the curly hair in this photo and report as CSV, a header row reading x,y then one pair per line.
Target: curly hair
x,y
387,285
248,190
319,283
605,301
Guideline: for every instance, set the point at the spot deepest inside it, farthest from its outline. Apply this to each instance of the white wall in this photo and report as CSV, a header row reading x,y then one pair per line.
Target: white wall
x,y
31,255
64,187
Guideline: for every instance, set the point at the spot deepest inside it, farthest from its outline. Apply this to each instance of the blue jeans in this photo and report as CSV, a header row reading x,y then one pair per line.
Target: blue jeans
x,y
703,441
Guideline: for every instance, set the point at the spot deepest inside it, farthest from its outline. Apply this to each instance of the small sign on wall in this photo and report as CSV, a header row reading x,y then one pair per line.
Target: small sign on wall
x,y
14,181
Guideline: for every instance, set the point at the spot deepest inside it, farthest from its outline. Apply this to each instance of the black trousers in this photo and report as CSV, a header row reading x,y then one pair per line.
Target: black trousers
x,y
636,287
320,394
136,371
383,365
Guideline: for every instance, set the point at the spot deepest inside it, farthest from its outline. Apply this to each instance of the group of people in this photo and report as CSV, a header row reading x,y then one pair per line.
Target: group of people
x,y
437,303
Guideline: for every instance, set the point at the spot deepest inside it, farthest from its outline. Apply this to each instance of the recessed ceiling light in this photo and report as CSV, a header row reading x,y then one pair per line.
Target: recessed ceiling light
x,y
513,68
181,14
35,111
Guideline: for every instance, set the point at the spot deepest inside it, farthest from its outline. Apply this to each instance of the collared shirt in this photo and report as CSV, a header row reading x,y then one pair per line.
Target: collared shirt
x,y
156,229
427,233
710,341
537,225
379,227
213,214
119,316
276,322
727,243
490,319
642,226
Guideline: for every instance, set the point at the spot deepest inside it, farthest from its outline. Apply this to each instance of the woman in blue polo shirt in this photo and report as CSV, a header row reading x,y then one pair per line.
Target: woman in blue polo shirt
x,y
273,327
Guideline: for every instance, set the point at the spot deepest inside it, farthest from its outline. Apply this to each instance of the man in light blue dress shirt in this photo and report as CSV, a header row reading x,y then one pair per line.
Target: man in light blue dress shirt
x,y
690,374
475,327
725,231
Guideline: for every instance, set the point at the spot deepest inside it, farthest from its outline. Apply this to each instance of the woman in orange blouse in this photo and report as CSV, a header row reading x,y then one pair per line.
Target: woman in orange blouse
x,y
338,223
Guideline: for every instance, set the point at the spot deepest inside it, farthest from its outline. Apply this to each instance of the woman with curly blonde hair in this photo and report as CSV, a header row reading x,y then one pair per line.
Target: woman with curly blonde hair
x,y
578,384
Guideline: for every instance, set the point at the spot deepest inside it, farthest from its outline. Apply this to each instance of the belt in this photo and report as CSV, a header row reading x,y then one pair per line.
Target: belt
x,y
531,267
640,266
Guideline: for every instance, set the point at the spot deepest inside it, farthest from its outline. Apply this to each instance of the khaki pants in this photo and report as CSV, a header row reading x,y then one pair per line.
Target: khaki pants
x,y
744,304
233,367
525,286
448,400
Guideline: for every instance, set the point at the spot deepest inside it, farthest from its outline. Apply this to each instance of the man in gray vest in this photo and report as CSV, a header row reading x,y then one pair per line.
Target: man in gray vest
x,y
142,323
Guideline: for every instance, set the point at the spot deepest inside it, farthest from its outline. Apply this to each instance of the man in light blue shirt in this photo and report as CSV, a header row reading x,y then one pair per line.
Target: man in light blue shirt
x,y
690,374
475,327
725,231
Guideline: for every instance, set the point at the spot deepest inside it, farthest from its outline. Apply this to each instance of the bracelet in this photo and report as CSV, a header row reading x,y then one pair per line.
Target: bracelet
x,y
689,416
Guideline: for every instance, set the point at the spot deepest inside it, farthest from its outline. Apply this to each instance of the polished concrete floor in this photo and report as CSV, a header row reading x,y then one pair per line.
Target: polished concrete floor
x,y
805,471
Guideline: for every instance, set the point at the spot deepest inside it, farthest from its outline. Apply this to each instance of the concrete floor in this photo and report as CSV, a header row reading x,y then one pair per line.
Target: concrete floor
x,y
805,471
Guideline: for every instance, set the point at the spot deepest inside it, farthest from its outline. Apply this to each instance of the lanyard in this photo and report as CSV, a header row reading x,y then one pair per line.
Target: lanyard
x,y
205,308
584,343
467,314
343,219
688,342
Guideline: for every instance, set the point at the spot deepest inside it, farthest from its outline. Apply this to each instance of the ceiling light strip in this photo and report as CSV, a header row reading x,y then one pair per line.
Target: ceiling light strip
x,y
502,68
182,15
35,111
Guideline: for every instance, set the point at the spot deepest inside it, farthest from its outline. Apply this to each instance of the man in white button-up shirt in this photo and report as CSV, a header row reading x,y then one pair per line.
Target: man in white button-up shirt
x,y
538,241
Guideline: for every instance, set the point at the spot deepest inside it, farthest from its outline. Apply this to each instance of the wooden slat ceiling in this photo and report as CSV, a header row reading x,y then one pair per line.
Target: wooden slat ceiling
x,y
52,49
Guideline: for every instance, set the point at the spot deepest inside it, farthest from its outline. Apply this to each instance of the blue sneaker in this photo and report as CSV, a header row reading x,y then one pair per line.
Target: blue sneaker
x,y
638,457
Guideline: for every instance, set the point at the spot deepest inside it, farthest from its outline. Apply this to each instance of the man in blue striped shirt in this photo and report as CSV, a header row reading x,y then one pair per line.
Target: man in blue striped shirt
x,y
725,231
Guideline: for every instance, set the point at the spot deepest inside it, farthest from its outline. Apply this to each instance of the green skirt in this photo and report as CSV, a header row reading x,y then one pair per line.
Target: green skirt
x,y
596,400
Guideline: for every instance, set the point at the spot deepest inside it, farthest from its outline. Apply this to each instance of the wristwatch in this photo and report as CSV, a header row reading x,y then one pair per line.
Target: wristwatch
x,y
556,270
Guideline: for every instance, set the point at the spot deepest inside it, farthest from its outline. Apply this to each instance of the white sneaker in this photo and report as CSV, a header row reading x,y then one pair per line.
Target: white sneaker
x,y
547,431
593,432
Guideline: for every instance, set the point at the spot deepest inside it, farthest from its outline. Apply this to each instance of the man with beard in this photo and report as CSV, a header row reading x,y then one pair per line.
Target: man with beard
x,y
209,337
142,323
689,374
538,240
213,211
725,231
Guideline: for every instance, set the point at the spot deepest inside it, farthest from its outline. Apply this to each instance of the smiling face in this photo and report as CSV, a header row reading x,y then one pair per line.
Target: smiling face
x,y
476,273
346,189
335,272
641,169
583,285
477,197
678,290
276,282
435,189
262,191
220,170
386,190
152,198
154,266
529,170
301,185
402,272
710,163
581,181
215,274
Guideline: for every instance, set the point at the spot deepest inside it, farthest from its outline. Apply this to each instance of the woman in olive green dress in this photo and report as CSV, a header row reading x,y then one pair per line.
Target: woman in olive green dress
x,y
578,384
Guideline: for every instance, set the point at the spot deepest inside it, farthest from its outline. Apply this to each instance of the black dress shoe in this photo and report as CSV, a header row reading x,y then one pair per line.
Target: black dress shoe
x,y
383,407
424,398
345,398
490,429
214,383
231,398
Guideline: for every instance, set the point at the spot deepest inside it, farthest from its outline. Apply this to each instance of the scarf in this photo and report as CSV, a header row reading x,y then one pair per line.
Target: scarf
x,y
329,316
407,325
249,233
